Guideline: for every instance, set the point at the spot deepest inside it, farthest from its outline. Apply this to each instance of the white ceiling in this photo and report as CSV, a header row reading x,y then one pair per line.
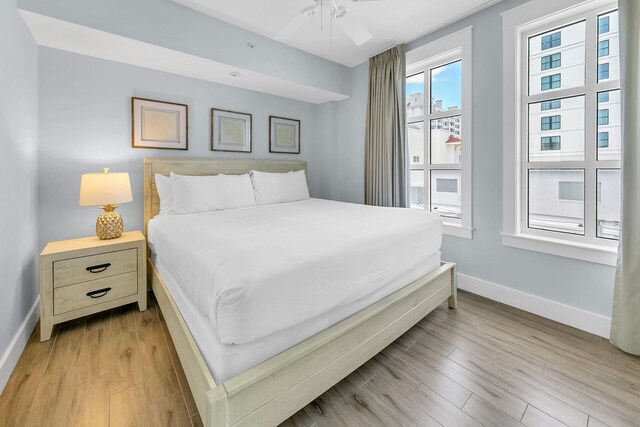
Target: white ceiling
x,y
389,21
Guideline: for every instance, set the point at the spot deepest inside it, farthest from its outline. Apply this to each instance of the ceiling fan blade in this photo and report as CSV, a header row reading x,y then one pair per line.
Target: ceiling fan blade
x,y
291,27
354,29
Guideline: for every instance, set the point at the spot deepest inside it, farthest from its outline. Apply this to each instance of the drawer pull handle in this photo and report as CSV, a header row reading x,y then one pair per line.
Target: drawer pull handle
x,y
99,293
98,268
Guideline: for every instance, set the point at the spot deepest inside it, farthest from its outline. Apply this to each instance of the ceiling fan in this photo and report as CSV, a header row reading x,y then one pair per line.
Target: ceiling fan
x,y
347,21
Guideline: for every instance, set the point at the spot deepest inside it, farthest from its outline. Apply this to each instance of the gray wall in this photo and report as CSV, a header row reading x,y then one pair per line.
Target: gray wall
x,y
576,283
351,118
85,124
18,172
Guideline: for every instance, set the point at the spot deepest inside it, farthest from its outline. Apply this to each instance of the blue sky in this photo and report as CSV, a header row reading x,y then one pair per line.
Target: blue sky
x,y
446,85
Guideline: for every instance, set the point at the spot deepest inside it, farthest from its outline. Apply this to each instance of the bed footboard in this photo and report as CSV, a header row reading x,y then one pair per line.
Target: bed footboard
x,y
277,388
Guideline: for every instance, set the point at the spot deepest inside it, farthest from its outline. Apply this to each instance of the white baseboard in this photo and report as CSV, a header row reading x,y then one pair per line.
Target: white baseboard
x,y
566,314
19,341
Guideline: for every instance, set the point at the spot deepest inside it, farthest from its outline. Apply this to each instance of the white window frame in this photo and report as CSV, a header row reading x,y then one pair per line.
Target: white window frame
x,y
518,24
451,48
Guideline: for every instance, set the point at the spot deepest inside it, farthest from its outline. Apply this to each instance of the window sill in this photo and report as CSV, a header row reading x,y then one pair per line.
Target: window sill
x,y
591,253
458,231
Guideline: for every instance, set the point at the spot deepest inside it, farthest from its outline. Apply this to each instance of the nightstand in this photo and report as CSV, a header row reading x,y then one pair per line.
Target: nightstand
x,y
85,276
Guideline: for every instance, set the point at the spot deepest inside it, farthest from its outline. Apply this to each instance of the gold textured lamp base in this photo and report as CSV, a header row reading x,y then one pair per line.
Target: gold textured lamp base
x,y
109,224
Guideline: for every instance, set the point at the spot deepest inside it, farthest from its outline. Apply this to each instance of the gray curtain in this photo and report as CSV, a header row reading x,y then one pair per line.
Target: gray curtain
x,y
625,322
385,148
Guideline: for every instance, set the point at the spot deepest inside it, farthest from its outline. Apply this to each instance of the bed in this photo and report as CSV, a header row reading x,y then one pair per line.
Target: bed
x,y
244,365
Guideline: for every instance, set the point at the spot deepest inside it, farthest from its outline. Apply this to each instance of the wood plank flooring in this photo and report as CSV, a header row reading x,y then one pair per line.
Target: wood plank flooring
x,y
483,364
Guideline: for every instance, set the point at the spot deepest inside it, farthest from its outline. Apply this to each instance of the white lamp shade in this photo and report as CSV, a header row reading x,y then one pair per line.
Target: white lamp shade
x,y
98,189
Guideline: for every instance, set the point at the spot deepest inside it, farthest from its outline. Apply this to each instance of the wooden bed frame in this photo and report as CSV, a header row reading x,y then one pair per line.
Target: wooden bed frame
x,y
277,388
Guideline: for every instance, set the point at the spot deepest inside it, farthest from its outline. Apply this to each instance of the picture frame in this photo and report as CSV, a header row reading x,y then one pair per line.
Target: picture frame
x,y
159,125
231,131
284,135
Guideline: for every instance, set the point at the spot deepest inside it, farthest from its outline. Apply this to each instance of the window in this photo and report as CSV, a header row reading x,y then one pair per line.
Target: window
x,y
550,143
440,180
551,40
445,185
550,122
603,71
603,139
603,48
570,190
603,117
551,105
551,82
603,25
551,61
562,191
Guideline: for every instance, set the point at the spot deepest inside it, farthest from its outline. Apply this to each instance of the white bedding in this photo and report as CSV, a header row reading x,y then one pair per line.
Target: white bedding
x,y
225,361
258,270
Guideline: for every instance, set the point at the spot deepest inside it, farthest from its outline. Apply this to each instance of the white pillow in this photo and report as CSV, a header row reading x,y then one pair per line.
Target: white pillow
x,y
165,192
193,194
279,187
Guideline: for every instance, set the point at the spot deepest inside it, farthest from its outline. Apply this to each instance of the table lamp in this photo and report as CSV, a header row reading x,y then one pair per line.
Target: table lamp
x,y
106,190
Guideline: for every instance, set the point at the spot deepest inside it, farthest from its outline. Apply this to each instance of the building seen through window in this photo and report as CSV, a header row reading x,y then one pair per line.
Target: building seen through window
x,y
557,131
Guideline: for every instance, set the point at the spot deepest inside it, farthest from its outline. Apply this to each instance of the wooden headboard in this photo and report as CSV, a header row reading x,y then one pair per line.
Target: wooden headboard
x,y
200,166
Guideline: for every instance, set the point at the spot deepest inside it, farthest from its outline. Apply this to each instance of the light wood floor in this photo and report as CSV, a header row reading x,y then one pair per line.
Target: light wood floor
x,y
483,364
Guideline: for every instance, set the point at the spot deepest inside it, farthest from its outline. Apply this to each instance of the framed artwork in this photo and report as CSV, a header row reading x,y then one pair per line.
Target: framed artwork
x,y
230,131
159,124
284,135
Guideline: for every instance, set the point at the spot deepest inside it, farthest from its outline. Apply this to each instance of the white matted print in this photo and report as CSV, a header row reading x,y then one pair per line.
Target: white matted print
x,y
159,124
284,135
230,131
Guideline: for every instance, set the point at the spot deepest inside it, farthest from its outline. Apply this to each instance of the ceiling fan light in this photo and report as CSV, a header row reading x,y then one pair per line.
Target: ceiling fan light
x,y
309,11
339,12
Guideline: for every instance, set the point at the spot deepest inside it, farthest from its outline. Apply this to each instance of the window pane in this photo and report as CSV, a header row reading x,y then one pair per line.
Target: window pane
x,y
557,59
551,61
416,191
603,71
415,138
556,130
446,144
550,143
445,193
603,139
603,48
551,40
609,131
551,122
551,105
608,199
553,81
415,95
603,24
603,116
608,51
556,200
446,87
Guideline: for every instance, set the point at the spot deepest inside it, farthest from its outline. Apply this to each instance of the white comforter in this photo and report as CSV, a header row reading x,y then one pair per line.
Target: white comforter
x,y
257,270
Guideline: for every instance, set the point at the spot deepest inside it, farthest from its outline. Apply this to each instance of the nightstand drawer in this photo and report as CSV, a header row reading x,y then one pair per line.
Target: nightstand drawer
x,y
82,269
86,294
